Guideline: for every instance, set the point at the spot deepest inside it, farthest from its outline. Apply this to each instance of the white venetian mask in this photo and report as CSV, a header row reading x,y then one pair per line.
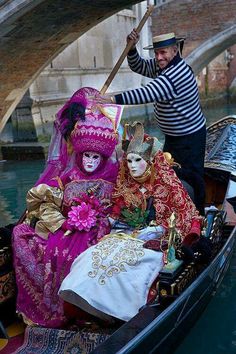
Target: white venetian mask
x,y
136,164
91,160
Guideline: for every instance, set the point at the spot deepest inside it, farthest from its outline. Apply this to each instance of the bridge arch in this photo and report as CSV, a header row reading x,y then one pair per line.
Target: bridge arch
x,y
211,48
33,32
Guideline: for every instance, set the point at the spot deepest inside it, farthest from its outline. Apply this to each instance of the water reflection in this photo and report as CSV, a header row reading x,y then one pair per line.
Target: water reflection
x,y
215,113
215,331
16,178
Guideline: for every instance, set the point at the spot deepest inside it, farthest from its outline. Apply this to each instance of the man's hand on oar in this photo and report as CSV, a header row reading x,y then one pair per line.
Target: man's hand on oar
x,y
132,40
107,98
134,36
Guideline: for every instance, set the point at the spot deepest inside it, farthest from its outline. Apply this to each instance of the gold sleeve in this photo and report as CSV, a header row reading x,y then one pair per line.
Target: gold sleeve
x,y
43,193
44,203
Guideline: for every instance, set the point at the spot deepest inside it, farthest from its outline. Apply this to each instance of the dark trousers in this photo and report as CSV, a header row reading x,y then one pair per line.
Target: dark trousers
x,y
189,152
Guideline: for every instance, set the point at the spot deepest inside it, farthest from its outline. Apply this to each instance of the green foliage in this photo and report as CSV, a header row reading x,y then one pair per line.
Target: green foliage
x,y
135,218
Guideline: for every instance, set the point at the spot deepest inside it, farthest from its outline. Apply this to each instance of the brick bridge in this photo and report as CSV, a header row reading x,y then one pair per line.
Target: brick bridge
x,y
33,32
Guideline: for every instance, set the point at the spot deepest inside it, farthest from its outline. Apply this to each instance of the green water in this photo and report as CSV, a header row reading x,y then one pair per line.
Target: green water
x,y
16,178
215,331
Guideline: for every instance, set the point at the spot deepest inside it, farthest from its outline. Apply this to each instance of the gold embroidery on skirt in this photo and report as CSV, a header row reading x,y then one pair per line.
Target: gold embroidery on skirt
x,y
124,250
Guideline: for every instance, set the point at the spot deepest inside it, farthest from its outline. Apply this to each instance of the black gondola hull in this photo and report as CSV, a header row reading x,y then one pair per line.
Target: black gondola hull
x,y
156,331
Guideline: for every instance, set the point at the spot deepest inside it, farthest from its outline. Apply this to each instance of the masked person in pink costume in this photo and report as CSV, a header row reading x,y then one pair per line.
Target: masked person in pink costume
x,y
67,209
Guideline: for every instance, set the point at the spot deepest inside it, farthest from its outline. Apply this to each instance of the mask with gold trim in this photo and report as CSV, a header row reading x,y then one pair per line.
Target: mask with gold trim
x,y
143,146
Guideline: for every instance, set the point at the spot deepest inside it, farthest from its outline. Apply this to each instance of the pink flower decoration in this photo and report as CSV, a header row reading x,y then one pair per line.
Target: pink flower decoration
x,y
82,217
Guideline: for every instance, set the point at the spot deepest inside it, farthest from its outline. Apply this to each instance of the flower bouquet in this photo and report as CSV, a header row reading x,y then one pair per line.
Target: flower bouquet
x,y
136,218
84,214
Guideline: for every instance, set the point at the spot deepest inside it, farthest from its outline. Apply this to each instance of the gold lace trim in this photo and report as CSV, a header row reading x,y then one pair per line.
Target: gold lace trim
x,y
114,255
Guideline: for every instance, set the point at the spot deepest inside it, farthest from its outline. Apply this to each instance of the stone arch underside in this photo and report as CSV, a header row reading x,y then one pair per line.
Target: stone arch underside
x,y
210,49
33,32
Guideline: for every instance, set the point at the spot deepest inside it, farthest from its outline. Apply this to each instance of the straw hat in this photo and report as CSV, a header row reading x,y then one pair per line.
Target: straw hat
x,y
165,40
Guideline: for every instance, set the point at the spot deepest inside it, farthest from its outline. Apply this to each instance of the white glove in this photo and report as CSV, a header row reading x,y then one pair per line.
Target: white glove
x,y
151,232
119,226
111,221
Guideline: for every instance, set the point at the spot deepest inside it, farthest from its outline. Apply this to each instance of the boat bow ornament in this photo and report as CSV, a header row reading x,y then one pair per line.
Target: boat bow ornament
x,y
221,148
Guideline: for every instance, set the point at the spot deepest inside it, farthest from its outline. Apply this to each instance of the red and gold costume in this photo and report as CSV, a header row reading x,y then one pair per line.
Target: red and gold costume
x,y
168,195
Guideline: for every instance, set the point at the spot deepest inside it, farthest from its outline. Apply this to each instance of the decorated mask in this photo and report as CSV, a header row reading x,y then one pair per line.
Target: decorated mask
x,y
145,147
91,160
140,151
136,165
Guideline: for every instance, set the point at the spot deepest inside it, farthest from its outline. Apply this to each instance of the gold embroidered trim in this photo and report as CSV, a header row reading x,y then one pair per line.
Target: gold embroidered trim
x,y
114,255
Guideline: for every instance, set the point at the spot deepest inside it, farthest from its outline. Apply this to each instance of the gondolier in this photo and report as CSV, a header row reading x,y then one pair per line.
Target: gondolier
x,y
174,93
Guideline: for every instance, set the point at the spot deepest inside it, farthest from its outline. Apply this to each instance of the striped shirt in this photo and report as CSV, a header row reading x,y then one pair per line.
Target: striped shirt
x,y
173,91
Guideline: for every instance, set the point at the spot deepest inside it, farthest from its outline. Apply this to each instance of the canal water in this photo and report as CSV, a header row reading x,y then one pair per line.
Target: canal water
x,y
215,331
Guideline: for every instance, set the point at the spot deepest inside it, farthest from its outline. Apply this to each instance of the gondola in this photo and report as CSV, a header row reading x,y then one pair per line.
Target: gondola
x,y
159,327
162,324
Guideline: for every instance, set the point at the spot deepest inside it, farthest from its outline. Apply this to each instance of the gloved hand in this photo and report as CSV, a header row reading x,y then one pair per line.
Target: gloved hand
x,y
111,221
67,228
151,232
119,226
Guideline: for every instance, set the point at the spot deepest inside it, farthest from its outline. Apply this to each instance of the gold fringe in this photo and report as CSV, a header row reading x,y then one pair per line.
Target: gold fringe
x,y
125,131
122,172
60,183
152,176
69,147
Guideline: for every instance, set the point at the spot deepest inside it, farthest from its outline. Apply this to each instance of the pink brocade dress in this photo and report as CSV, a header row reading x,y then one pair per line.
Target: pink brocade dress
x,y
42,264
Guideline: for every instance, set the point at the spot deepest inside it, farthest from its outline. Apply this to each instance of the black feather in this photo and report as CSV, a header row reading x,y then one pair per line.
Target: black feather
x,y
70,116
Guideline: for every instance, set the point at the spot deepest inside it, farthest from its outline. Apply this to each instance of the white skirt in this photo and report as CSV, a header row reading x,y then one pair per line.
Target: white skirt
x,y
112,278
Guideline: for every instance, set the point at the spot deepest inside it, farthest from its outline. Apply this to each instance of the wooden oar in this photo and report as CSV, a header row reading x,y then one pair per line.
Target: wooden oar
x,y
125,52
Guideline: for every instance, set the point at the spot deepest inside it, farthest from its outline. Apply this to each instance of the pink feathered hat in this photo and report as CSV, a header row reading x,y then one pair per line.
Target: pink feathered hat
x,y
96,132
